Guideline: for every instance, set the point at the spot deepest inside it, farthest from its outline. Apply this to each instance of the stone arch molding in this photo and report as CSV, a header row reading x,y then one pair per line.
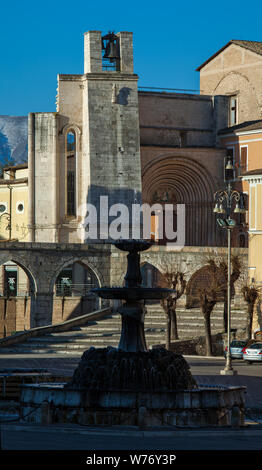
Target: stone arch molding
x,y
229,76
73,127
29,270
189,180
238,83
90,265
190,184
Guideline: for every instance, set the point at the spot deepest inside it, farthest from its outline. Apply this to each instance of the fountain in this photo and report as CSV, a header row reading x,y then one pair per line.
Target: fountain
x,y
131,385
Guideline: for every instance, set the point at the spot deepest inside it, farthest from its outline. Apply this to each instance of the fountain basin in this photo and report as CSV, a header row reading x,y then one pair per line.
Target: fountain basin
x,y
200,407
132,293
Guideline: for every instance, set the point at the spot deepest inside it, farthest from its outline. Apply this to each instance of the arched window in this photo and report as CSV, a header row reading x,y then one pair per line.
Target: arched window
x,y
71,173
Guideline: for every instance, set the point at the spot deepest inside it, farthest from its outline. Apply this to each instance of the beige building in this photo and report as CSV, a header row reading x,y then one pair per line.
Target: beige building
x,y
14,225
235,71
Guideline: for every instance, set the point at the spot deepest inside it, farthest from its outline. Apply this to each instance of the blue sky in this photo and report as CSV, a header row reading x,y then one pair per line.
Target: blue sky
x,y
41,39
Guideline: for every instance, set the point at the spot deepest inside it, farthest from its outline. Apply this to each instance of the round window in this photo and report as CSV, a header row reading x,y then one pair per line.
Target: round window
x,y
20,207
2,208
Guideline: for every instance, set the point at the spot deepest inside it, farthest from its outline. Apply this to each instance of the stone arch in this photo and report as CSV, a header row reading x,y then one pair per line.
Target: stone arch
x,y
71,285
151,275
70,173
17,306
190,184
239,84
71,261
72,126
33,278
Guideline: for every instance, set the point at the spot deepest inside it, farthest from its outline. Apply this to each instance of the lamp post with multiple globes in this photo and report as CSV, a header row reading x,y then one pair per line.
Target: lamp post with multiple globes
x,y
226,201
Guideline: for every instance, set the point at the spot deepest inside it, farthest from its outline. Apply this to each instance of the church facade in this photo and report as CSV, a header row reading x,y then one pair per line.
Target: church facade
x,y
109,139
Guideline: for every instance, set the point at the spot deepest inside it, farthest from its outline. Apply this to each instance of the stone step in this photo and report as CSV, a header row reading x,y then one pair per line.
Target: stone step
x,y
106,332
157,308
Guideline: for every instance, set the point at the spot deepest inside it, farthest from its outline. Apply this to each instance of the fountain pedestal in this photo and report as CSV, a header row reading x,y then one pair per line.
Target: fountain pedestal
x,y
133,334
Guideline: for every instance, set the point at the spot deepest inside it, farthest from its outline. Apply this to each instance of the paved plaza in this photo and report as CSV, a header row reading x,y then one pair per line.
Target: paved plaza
x,y
18,436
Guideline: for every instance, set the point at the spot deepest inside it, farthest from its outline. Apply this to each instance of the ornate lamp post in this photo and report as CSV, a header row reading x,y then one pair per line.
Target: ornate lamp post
x,y
225,201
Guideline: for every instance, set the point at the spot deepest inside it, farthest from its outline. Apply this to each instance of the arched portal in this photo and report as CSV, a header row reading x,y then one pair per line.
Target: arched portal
x,y
17,297
72,291
151,276
181,180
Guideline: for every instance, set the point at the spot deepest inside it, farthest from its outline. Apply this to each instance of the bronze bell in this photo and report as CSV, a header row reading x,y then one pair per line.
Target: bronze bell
x,y
111,50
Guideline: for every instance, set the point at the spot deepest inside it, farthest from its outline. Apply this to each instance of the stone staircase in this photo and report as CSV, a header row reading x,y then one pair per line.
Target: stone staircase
x,y
106,332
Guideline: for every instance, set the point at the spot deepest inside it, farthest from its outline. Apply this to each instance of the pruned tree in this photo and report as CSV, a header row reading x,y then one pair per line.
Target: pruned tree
x,y
208,299
214,290
174,280
220,270
250,294
223,275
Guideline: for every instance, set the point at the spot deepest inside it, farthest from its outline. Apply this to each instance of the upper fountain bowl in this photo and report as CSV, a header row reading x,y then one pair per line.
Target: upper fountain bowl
x,y
133,293
133,245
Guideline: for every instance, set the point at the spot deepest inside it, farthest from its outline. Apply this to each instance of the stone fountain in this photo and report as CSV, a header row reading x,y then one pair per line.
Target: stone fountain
x,y
131,385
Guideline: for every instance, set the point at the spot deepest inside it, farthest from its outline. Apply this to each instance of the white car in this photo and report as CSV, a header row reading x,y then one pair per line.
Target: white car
x,y
253,353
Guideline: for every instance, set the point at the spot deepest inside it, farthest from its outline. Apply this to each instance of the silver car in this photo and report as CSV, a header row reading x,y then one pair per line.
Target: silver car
x,y
236,349
253,353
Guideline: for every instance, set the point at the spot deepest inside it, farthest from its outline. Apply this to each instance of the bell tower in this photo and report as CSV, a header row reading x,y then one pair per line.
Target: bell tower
x,y
88,148
111,141
115,48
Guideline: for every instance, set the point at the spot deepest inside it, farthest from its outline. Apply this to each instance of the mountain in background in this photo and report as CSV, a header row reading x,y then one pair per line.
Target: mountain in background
x,y
13,140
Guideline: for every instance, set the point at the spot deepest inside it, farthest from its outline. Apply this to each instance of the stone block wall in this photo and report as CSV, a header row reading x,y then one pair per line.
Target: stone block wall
x,y
180,120
68,308
14,315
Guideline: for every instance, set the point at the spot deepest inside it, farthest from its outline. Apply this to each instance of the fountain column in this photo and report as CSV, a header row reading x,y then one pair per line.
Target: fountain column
x,y
133,311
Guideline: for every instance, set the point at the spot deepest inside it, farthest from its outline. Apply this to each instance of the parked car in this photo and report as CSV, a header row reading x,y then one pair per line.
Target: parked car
x,y
236,348
253,352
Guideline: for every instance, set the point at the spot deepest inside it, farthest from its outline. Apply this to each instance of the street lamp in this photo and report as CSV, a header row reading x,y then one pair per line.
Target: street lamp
x,y
224,202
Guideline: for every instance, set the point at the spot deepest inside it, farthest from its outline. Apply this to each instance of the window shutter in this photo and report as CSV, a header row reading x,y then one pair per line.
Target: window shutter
x,y
243,159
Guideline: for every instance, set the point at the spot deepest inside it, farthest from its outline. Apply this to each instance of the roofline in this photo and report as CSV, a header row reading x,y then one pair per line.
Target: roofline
x,y
19,166
232,41
242,128
4,182
214,55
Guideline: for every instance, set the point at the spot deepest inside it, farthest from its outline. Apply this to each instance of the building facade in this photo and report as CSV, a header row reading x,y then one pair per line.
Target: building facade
x,y
107,139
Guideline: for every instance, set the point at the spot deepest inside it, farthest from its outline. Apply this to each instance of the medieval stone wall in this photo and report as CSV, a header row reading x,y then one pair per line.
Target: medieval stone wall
x,y
180,120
